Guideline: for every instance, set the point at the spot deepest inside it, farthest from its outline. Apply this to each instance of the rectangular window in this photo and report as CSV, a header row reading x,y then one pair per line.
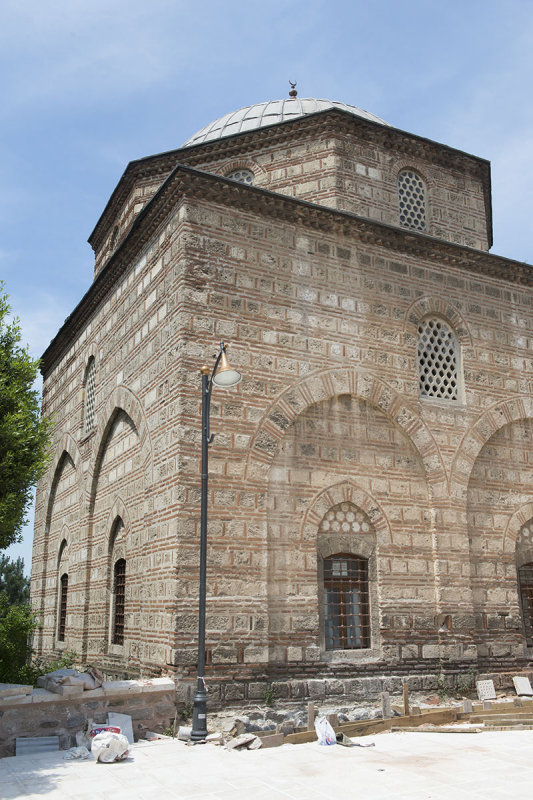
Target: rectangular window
x,y
63,608
347,619
119,594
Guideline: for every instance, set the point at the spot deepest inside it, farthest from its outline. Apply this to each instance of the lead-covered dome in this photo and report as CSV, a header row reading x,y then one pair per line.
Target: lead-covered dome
x,y
271,113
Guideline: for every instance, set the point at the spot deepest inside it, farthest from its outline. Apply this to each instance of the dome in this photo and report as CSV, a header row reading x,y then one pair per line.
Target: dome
x,y
271,113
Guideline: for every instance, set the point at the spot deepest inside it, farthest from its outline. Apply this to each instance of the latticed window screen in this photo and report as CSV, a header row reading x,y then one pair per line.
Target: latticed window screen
x,y
346,603
119,593
242,176
437,360
90,395
525,581
412,200
63,608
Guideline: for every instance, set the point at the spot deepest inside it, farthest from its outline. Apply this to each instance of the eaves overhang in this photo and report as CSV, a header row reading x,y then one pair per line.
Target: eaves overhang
x,y
332,120
189,183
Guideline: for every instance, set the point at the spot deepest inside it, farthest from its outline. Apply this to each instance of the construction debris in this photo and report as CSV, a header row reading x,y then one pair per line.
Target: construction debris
x,y
523,686
34,745
123,723
246,741
70,682
485,690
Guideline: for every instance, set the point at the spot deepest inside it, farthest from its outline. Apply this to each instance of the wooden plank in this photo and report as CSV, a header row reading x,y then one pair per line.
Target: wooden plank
x,y
349,728
440,729
371,726
405,700
434,718
310,716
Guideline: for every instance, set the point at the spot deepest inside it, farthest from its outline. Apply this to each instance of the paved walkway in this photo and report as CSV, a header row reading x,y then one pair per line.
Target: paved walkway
x,y
414,766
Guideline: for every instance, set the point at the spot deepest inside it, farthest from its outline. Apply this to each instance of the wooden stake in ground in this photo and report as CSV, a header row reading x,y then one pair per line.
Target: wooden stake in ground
x,y
310,716
405,700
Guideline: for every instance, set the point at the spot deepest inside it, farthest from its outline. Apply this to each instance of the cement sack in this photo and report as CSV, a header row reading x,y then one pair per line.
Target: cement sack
x,y
108,747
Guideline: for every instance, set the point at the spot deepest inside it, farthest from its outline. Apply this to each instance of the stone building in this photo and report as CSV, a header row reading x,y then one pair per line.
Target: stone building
x,y
371,477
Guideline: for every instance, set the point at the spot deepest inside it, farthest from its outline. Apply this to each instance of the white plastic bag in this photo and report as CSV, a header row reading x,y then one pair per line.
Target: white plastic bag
x,y
108,747
324,731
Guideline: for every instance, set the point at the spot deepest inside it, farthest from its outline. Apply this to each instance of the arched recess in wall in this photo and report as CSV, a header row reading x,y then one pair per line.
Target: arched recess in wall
x,y
437,336
431,305
128,472
117,560
487,424
359,526
499,497
67,458
62,585
340,439
326,385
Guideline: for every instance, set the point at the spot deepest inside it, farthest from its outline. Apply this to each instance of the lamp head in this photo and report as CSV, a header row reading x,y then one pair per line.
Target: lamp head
x,y
225,375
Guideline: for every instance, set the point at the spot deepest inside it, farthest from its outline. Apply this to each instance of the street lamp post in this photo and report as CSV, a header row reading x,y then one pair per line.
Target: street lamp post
x,y
221,375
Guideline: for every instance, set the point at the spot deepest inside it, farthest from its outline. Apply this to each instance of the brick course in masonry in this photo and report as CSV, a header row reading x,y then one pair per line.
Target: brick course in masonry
x,y
319,294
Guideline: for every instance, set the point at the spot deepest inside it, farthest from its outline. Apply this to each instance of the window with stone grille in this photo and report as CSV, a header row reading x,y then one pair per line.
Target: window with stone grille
x,y
412,200
346,613
63,608
119,600
525,583
242,176
438,356
90,395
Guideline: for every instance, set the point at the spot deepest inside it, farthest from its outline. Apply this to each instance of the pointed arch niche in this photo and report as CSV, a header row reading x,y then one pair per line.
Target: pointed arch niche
x,y
348,441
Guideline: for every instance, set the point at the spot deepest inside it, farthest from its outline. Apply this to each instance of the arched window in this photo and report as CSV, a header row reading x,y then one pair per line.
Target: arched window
x,y
90,395
346,613
242,176
525,583
63,608
412,200
119,600
114,237
438,360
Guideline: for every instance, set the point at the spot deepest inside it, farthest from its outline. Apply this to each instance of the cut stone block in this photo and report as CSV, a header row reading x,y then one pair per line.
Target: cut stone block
x,y
485,690
122,721
13,689
273,740
386,707
523,686
67,691
32,745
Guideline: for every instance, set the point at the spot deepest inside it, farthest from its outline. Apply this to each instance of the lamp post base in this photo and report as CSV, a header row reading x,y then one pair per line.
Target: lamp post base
x,y
199,717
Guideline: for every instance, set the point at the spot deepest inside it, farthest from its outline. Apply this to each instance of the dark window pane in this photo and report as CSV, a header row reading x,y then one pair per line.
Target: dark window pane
x,y
525,580
63,608
119,595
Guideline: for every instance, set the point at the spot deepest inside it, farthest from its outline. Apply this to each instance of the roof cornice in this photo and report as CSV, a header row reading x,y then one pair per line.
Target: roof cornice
x,y
332,121
186,183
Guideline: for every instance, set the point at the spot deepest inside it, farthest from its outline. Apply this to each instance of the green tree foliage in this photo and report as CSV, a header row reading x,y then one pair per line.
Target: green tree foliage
x,y
17,624
13,582
24,435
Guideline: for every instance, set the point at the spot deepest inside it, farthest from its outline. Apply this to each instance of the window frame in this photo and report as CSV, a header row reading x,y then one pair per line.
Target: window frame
x,y
527,618
63,603
241,170
89,397
457,353
341,585
401,190
119,602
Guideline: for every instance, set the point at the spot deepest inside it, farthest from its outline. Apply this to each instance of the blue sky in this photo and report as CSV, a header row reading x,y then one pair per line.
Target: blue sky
x,y
88,85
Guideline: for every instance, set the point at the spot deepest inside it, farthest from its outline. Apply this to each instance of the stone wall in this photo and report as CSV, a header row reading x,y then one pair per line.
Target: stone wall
x,y
321,314
150,703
